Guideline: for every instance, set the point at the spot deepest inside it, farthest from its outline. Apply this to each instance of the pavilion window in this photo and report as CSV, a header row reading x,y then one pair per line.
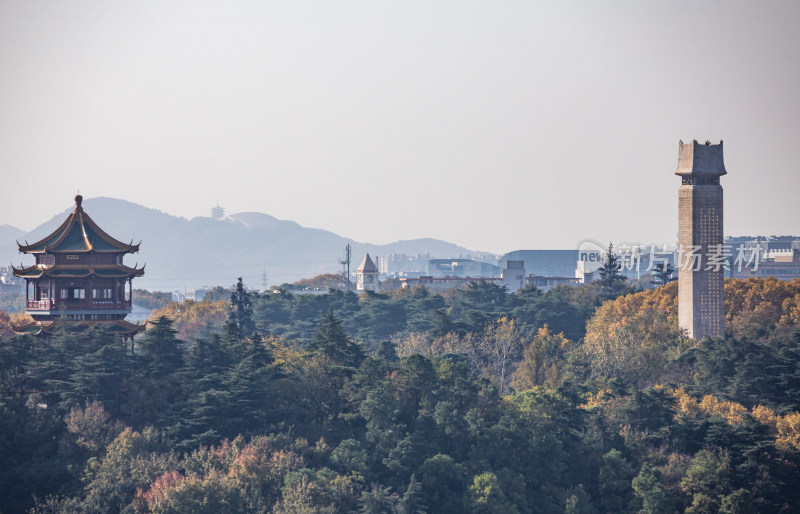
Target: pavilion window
x,y
104,293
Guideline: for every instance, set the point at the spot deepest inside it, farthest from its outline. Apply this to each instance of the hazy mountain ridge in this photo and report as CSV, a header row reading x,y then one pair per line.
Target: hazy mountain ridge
x,y
203,251
9,233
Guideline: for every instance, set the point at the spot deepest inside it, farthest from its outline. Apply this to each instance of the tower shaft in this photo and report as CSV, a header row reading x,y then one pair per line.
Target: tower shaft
x,y
701,270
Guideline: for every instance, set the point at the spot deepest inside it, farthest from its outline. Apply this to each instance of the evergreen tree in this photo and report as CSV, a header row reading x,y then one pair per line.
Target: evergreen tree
x,y
102,372
615,477
332,341
240,316
648,487
663,273
387,351
161,348
412,501
612,281
378,500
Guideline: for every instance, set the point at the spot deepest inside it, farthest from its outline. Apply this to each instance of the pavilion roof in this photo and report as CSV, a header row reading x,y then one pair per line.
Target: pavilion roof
x,y
79,234
78,271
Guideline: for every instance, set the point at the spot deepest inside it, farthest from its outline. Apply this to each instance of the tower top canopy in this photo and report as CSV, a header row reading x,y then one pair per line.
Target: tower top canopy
x,y
700,159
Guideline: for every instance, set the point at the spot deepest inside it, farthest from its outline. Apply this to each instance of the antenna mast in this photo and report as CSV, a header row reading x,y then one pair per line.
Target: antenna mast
x,y
346,266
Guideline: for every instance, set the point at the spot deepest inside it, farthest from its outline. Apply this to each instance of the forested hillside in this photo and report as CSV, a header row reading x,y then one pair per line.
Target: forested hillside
x,y
577,400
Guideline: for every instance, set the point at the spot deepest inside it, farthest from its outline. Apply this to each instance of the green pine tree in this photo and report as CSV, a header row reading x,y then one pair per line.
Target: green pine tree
x,y
240,316
612,282
333,342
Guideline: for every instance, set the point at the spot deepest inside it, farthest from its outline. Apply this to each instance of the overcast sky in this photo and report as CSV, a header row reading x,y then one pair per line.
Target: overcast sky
x,y
495,125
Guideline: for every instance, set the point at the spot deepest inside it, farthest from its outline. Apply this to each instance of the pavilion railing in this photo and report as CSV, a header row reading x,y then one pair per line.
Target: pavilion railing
x,y
91,304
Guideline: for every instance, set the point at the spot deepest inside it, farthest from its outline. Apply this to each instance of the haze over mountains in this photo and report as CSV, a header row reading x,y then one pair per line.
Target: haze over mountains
x,y
203,251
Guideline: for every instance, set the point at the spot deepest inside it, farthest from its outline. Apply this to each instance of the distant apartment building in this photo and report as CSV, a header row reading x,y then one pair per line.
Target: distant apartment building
x,y
761,257
461,268
196,295
398,264
764,243
782,265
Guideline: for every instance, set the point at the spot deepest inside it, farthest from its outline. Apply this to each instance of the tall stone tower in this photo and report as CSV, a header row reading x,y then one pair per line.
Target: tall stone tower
x,y
700,240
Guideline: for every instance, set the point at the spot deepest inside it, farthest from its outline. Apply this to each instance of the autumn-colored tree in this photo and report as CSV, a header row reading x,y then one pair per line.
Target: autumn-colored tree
x,y
428,345
786,428
755,306
151,299
9,321
502,343
91,426
194,319
5,325
323,281
636,335
543,361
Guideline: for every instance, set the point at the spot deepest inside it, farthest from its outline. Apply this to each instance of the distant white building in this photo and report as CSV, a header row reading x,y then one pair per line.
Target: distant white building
x,y
367,276
513,275
196,294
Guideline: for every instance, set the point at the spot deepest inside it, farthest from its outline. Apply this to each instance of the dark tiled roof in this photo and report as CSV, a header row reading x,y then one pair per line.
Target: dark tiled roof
x,y
63,271
79,234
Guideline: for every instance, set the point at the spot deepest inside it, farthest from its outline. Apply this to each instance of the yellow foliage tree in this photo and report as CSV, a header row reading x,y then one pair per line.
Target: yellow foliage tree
x,y
190,317
786,428
636,335
755,306
5,325
543,361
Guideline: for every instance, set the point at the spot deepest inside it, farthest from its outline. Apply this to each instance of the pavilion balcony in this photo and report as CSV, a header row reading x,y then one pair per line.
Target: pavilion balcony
x,y
91,304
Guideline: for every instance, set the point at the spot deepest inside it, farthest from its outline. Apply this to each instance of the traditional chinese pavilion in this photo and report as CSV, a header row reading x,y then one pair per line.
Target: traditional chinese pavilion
x,y
79,277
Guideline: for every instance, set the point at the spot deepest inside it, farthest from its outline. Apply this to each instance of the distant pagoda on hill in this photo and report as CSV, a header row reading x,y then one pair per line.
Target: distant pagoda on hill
x,y
79,277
